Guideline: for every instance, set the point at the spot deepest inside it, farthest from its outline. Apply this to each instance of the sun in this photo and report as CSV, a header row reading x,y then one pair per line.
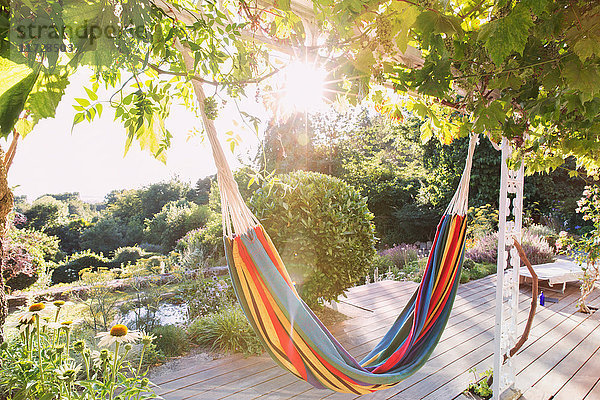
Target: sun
x,y
303,87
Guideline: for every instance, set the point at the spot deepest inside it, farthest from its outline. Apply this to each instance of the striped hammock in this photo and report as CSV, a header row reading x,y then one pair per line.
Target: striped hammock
x,y
290,331
301,344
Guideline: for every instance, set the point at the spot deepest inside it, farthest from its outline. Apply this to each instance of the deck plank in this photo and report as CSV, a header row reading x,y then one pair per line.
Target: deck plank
x,y
466,342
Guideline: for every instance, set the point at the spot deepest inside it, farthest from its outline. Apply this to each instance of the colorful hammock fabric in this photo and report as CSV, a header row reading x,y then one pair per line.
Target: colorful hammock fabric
x,y
290,331
301,344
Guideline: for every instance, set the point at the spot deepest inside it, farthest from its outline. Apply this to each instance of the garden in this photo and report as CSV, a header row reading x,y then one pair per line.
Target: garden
x,y
97,294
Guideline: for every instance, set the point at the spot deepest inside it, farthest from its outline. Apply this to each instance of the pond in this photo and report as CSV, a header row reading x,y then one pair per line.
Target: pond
x,y
147,318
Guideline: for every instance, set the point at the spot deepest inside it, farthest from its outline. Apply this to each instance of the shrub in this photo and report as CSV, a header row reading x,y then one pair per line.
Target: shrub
x,y
171,340
323,230
401,255
174,221
124,255
203,246
537,249
227,330
483,221
69,272
485,250
26,256
473,270
19,270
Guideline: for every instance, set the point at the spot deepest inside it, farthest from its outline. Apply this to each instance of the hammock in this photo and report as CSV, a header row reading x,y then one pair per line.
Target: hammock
x,y
293,335
300,343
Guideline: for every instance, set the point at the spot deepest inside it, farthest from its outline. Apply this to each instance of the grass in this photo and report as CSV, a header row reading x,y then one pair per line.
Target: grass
x,y
472,270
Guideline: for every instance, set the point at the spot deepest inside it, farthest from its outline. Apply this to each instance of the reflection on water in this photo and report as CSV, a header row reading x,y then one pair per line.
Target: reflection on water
x,y
165,314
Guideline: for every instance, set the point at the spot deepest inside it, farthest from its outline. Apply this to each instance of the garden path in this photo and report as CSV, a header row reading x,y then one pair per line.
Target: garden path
x,y
561,357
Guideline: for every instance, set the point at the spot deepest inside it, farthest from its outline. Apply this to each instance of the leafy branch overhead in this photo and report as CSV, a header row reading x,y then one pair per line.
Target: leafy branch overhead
x,y
527,70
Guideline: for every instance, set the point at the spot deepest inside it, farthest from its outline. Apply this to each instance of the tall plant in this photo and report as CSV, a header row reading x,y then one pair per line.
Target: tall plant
x,y
586,249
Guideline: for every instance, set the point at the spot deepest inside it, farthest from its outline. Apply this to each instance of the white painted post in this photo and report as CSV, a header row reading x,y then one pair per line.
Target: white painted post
x,y
507,288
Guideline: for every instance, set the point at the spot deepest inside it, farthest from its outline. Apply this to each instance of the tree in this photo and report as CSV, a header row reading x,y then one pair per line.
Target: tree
x,y
46,212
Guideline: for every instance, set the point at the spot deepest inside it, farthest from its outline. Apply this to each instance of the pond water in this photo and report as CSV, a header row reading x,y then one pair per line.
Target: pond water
x,y
166,314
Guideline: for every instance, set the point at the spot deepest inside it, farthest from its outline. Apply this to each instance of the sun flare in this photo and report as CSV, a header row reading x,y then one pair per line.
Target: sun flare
x,y
303,87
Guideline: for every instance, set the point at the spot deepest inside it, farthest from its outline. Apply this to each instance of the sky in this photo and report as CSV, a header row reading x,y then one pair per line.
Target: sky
x,y
90,160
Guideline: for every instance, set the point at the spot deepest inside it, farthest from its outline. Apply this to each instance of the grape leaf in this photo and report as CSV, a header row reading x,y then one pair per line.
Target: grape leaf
x,y
506,35
584,78
17,82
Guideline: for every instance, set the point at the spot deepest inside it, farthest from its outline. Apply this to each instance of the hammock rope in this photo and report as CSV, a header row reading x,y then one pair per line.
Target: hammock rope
x,y
292,334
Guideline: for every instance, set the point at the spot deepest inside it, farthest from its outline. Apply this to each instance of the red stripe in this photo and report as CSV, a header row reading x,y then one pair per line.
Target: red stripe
x,y
285,339
260,233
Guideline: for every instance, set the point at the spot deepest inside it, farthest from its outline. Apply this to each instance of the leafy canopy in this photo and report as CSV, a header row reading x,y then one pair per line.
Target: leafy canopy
x,y
527,70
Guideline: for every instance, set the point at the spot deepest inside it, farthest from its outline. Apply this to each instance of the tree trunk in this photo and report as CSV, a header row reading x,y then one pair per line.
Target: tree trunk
x,y
6,204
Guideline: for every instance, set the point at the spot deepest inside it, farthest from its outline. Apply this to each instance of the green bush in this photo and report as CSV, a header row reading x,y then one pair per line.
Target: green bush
x,y
203,246
227,330
323,230
171,340
124,255
473,270
174,221
69,272
482,220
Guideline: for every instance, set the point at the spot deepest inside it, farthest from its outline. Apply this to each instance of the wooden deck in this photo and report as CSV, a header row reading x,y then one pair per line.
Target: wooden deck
x,y
561,358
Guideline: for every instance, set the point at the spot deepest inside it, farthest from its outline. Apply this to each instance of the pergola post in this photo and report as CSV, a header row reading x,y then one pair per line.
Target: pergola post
x,y
507,287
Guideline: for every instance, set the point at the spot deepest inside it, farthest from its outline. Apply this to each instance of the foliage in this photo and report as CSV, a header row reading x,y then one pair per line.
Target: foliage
x,y
322,229
125,255
69,234
485,249
482,221
586,249
101,304
472,270
174,220
105,235
206,296
26,255
171,340
384,267
227,330
401,255
69,271
46,212
202,245
19,271
481,386
49,362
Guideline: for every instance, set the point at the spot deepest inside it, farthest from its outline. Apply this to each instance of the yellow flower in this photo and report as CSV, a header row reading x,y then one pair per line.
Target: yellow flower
x,y
117,334
36,307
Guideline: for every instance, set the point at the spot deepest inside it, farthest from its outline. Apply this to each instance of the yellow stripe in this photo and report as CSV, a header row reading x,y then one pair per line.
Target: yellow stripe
x,y
305,350
247,287
448,285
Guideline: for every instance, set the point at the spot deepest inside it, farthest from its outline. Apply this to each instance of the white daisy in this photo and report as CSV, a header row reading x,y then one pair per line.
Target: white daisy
x,y
117,334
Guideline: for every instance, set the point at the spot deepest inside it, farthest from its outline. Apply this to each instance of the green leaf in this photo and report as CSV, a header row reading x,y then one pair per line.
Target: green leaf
x,y
364,61
83,102
284,5
582,77
93,96
46,95
17,82
506,35
587,47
